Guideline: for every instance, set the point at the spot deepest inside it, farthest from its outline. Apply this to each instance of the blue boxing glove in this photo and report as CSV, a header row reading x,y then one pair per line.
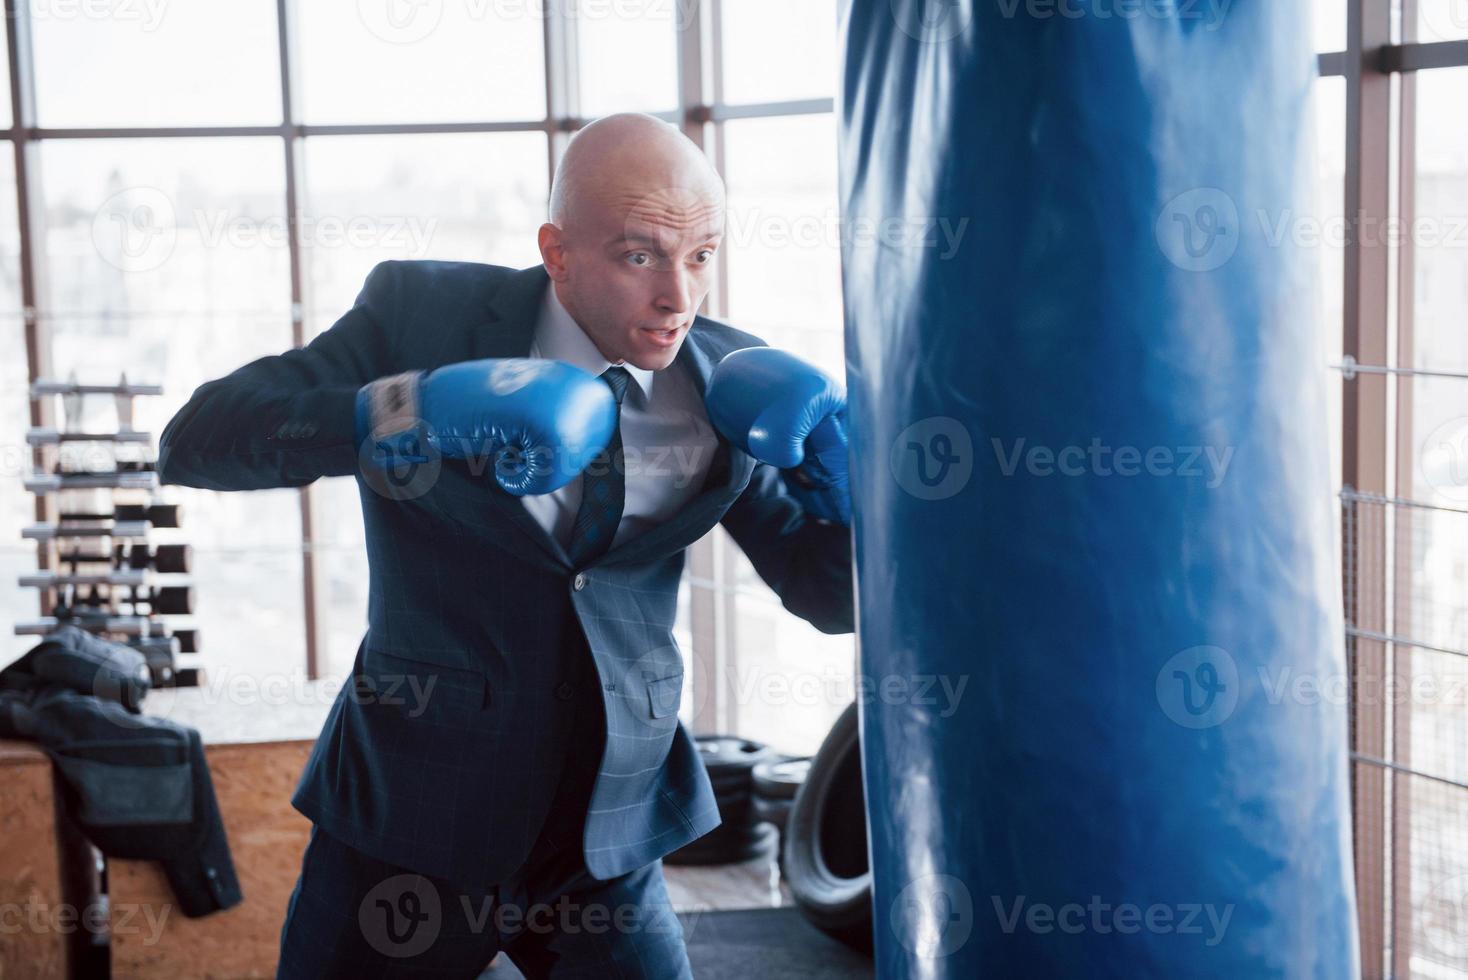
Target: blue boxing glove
x,y
540,422
787,413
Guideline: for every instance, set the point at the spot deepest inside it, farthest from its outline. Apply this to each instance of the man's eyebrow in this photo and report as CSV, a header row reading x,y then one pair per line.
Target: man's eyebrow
x,y
653,243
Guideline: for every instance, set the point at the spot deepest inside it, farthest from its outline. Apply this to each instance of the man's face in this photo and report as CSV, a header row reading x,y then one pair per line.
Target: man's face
x,y
636,271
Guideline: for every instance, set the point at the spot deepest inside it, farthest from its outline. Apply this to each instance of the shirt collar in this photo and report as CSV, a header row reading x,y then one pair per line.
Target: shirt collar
x,y
560,338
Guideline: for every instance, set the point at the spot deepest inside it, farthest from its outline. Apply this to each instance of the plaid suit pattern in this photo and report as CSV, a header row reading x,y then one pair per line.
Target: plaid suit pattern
x,y
485,638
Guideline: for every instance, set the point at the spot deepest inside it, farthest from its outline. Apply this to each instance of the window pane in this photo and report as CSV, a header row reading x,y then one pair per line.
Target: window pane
x,y
372,198
1330,25
1329,107
784,285
390,61
473,197
189,62
774,50
1440,407
341,573
1433,573
17,556
628,55
1442,20
166,260
791,681
4,84
783,235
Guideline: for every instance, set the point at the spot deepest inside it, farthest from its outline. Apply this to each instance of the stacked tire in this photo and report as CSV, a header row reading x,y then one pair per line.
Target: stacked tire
x,y
742,836
825,858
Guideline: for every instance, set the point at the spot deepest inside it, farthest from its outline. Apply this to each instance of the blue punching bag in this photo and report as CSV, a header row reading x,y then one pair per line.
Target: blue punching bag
x,y
1098,591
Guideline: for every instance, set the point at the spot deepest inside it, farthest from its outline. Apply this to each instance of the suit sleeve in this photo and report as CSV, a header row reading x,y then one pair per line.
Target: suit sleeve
x,y
286,419
807,562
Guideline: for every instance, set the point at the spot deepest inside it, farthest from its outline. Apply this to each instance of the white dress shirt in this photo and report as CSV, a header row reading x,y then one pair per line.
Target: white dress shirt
x,y
667,439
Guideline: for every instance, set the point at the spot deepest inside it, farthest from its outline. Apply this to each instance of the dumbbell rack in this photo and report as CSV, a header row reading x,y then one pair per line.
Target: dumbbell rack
x,y
102,571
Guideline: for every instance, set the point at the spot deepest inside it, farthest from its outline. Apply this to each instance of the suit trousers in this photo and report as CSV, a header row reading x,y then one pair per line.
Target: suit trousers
x,y
352,915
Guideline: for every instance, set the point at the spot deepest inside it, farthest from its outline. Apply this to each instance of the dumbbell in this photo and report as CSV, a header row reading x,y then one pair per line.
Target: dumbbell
x,y
85,558
188,640
171,600
170,558
159,515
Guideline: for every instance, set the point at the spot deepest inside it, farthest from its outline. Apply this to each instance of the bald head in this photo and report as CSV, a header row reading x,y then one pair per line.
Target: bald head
x,y
636,214
623,158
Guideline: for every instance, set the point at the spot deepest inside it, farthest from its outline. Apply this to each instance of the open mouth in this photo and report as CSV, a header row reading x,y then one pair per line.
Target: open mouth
x,y
663,338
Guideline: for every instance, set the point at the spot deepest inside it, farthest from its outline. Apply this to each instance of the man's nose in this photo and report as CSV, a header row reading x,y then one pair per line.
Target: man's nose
x,y
674,292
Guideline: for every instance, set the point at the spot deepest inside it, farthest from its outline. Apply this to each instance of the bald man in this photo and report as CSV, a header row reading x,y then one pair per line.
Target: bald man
x,y
534,451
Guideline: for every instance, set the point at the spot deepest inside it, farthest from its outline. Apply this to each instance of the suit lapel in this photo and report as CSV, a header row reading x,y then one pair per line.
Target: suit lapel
x,y
728,475
509,331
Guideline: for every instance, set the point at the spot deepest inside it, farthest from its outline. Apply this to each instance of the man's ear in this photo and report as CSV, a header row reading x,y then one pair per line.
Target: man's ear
x,y
553,251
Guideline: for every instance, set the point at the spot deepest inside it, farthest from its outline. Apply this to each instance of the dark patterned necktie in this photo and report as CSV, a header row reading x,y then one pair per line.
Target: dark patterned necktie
x,y
603,487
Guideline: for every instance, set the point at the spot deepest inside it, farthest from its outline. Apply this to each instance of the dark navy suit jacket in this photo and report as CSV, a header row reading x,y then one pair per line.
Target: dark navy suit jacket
x,y
469,595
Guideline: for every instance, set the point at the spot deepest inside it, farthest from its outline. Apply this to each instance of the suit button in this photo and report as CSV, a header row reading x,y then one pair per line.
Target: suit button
x,y
564,690
579,582
308,430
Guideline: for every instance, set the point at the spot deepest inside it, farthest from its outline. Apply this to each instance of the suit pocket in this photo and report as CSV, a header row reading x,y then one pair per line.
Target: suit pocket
x,y
113,794
417,687
663,695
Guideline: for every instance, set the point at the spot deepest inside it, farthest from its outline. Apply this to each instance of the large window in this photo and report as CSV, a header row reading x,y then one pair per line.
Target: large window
x,y
166,147
162,145
1403,406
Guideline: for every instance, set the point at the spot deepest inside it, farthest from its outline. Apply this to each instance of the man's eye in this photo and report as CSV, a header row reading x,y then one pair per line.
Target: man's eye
x,y
639,258
705,255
